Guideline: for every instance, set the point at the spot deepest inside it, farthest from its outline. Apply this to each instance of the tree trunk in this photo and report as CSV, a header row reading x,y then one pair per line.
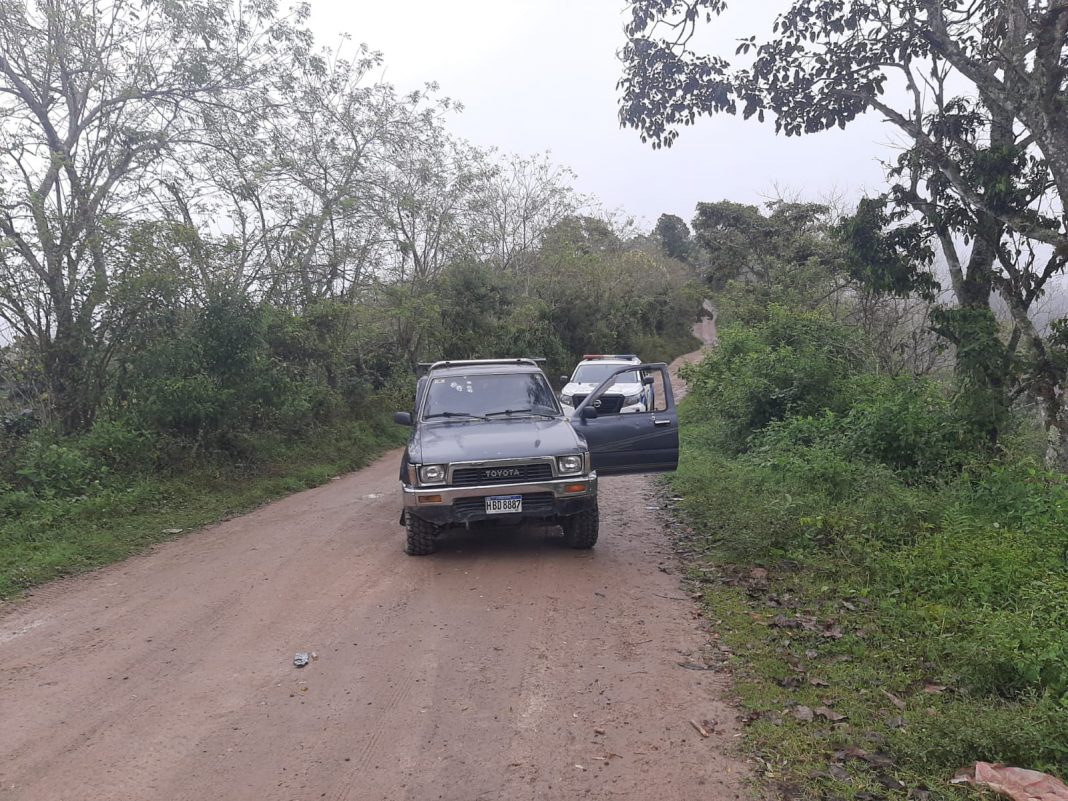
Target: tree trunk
x,y
1047,387
1055,422
64,369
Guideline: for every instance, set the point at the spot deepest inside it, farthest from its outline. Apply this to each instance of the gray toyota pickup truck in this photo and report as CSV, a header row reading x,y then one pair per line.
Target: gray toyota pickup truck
x,y
490,441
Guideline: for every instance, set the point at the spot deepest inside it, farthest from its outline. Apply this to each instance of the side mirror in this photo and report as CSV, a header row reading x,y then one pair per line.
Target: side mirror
x,y
565,380
402,418
589,413
648,381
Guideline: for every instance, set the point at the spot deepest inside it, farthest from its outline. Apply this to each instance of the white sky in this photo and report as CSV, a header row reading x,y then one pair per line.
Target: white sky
x,y
538,75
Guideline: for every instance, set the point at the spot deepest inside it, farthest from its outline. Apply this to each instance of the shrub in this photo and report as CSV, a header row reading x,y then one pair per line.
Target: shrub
x,y
119,445
993,579
187,406
908,424
734,508
795,363
1019,493
299,407
53,469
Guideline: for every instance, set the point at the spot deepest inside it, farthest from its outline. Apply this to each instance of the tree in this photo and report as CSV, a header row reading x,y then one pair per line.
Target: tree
x,y
93,98
285,198
977,88
525,197
742,243
430,195
673,235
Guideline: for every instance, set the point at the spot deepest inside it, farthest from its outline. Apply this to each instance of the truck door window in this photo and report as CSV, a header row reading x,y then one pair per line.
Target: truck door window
x,y
658,392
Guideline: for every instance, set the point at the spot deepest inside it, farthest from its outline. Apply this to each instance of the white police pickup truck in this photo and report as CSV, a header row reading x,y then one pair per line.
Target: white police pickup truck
x,y
630,392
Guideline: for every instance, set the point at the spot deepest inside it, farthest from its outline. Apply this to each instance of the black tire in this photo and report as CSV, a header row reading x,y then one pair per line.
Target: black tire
x,y
580,531
422,536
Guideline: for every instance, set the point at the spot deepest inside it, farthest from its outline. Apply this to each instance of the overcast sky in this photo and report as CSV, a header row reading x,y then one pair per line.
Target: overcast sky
x,y
538,75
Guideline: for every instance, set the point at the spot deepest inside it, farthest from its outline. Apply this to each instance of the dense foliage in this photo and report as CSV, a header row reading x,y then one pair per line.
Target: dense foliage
x,y
904,554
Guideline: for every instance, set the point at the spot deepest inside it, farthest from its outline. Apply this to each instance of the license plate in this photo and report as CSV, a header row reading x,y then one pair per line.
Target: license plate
x,y
504,504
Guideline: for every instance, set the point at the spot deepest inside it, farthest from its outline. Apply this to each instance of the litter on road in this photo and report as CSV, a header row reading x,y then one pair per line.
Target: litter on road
x,y
1018,784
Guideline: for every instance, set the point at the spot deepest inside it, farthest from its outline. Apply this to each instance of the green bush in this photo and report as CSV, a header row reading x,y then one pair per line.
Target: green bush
x,y
992,575
907,424
741,512
299,407
119,445
793,364
14,502
1019,492
188,406
910,425
57,469
798,488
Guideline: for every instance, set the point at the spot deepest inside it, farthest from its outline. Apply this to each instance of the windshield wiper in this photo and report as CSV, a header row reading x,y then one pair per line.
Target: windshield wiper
x,y
510,412
454,414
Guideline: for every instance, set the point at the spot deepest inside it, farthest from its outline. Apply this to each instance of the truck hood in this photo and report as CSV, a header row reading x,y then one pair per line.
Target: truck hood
x,y
444,442
615,389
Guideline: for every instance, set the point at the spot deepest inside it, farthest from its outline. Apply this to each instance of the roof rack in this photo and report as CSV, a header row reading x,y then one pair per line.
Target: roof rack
x,y
620,356
428,366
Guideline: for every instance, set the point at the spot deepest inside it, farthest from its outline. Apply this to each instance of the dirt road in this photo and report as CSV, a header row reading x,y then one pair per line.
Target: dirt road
x,y
503,667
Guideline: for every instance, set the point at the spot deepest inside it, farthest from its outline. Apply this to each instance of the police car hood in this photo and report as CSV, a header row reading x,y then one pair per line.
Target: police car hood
x,y
445,442
617,389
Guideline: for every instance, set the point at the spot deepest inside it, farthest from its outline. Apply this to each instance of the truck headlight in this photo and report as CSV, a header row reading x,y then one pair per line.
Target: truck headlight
x,y
432,474
568,465
566,400
630,400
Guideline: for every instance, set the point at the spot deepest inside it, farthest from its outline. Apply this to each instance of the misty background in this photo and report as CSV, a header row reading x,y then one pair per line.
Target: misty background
x,y
541,75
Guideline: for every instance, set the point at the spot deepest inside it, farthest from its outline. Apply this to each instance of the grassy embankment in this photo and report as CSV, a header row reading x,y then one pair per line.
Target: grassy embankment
x,y
894,607
73,511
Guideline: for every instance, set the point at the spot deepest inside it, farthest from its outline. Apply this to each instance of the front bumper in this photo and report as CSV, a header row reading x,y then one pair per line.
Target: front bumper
x,y
541,500
569,411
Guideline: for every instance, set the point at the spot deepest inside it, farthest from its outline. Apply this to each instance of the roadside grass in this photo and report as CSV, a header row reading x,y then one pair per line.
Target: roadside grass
x,y
43,538
882,634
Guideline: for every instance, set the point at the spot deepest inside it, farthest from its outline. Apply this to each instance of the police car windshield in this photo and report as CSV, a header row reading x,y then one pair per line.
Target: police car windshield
x,y
479,394
596,373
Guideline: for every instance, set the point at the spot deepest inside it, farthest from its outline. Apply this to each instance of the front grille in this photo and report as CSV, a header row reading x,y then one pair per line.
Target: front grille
x,y
505,474
609,404
539,504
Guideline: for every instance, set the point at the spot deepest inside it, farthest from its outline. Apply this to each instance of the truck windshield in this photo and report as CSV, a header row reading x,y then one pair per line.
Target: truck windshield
x,y
596,373
478,395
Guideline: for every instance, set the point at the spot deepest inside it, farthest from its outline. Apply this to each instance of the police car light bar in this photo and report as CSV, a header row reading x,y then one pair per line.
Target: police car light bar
x,y
610,356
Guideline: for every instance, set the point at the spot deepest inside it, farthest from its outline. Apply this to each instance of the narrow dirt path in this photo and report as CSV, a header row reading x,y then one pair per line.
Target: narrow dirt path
x,y
503,667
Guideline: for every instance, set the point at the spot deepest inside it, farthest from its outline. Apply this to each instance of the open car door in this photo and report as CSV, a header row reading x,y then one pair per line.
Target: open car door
x,y
635,442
